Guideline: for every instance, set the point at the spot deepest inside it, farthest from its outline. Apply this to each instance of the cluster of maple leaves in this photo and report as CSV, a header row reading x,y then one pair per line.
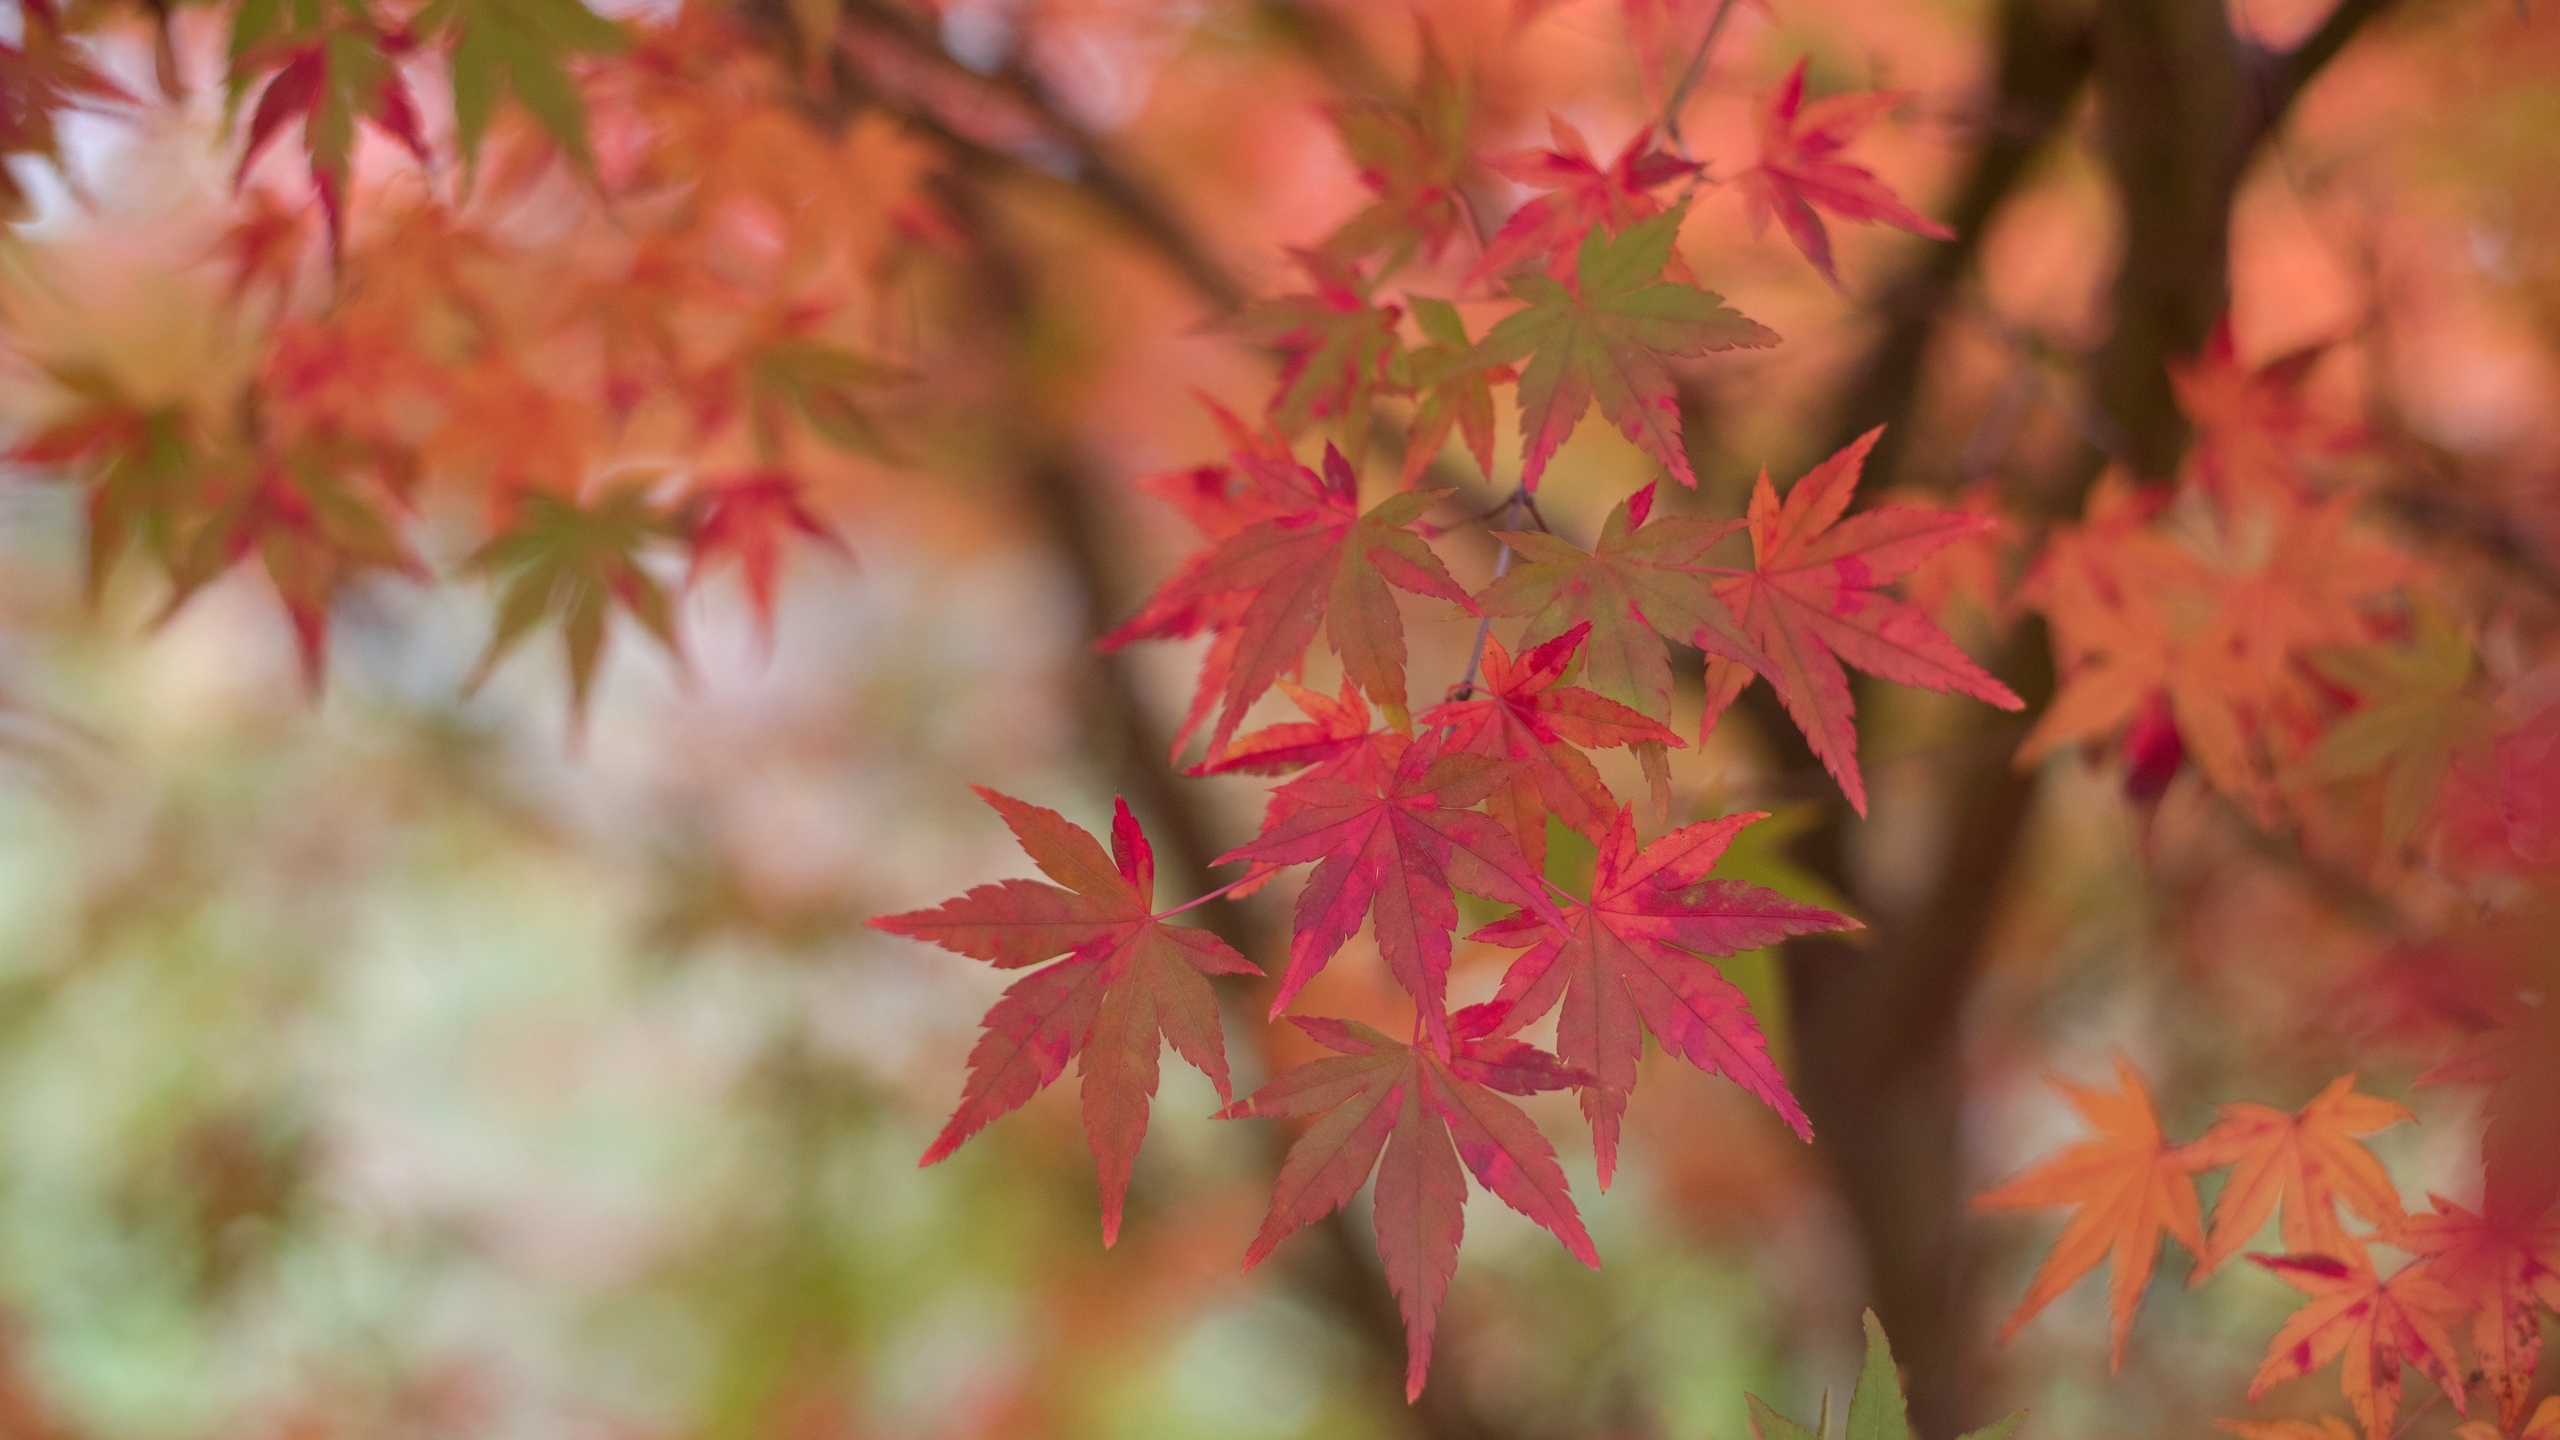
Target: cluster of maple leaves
x,y
2247,615
1398,817
2498,1268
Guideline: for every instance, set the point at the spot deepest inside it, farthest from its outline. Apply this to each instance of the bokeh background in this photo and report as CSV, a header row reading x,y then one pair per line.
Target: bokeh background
x,y
386,1062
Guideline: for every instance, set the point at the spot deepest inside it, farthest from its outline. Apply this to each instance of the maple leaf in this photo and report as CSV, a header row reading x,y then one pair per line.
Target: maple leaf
x,y
746,518
1644,581
2376,1324
1627,963
1810,601
1877,1410
138,461
2217,624
1603,338
1424,1111
1526,714
2496,1266
1317,562
2130,1185
576,562
2417,715
1333,727
1455,393
825,385
2545,1425
1129,984
312,529
2252,424
40,76
522,45
1335,345
1396,842
1416,160
1221,501
264,247
1800,172
333,67
2310,1160
1582,198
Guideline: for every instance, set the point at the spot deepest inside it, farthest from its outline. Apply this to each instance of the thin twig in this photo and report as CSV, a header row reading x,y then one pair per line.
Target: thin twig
x,y
1484,626
1679,97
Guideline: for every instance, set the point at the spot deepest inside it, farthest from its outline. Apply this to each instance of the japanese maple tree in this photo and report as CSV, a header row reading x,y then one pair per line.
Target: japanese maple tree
x,y
1773,772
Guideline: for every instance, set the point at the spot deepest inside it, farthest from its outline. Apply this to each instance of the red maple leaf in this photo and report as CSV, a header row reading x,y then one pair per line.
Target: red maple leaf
x,y
1416,160
1316,562
1335,344
346,71
1526,713
1128,979
1811,602
315,527
1395,842
1628,962
1428,1110
1581,196
746,518
2497,1267
1801,172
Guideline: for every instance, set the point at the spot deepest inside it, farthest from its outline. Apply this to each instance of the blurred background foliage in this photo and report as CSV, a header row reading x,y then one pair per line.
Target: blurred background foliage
x,y
382,1062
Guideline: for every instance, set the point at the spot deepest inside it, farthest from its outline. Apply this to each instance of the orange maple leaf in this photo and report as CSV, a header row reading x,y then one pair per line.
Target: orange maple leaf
x,y
2130,1184
2310,1160
2376,1324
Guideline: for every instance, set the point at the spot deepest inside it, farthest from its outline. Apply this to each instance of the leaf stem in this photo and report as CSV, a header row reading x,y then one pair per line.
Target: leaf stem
x,y
1205,899
1484,626
1689,78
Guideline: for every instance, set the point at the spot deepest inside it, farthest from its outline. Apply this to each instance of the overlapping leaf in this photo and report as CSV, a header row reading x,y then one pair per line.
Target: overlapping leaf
x,y
1336,345
1645,581
1629,962
2502,1269
2309,1160
1415,160
522,47
1396,843
333,66
746,519
1582,197
1129,984
1315,563
1416,1114
1525,714
2376,1324
1604,338
1811,601
1451,391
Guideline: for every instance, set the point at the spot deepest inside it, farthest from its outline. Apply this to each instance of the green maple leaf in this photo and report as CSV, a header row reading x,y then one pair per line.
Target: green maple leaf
x,y
1604,338
577,562
520,46
1450,391
2417,714
1876,1409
